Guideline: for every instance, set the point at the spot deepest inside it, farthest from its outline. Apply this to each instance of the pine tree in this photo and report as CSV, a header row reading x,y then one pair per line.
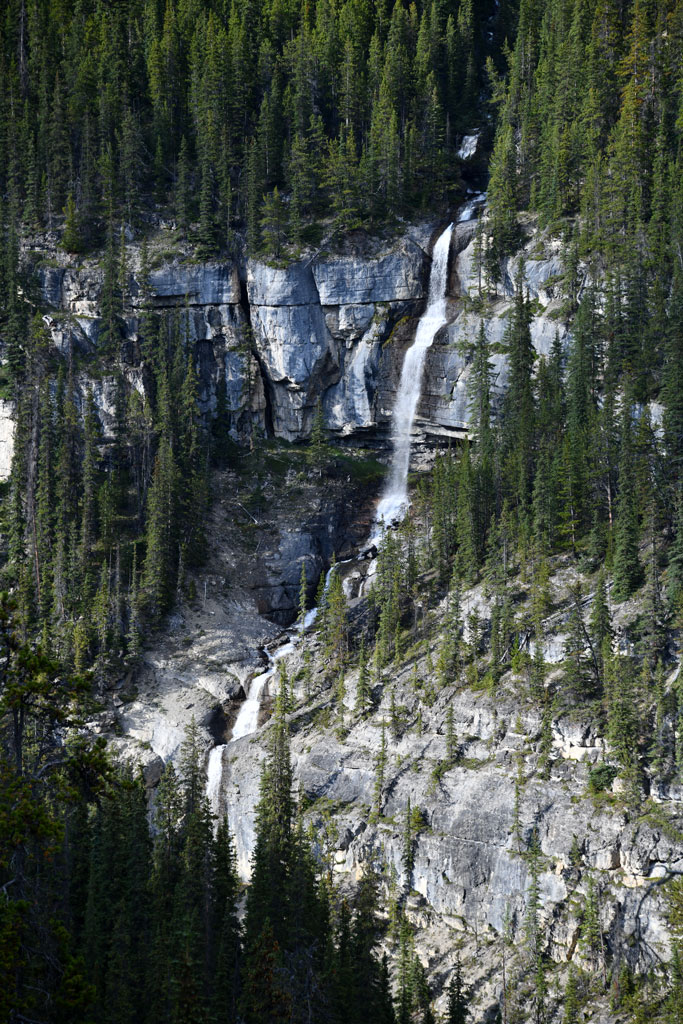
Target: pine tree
x,y
317,453
408,847
303,595
534,936
182,188
519,419
591,933
458,1005
577,651
627,569
72,239
192,772
363,694
571,999
466,555
674,576
225,926
381,761
110,300
269,899
273,223
623,721
157,576
451,738
600,622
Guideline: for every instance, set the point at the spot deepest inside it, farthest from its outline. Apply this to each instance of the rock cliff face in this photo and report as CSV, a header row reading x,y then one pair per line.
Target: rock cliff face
x,y
328,327
276,338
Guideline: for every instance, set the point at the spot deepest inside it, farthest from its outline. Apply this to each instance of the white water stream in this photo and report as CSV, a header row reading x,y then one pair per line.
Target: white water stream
x,y
470,210
395,498
247,717
392,506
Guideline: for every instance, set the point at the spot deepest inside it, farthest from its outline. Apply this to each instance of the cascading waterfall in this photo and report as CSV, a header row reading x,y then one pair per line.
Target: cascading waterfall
x,y
245,723
395,499
392,506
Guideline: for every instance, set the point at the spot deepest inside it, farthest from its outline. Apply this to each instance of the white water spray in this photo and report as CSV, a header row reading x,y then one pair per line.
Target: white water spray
x,y
214,777
395,499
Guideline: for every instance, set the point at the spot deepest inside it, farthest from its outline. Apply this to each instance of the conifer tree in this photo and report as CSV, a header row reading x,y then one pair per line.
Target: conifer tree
x,y
518,434
273,223
182,187
408,847
571,1000
600,621
157,576
303,595
363,695
381,761
458,1007
622,721
627,569
110,301
674,576
269,900
534,936
466,555
317,453
72,239
451,738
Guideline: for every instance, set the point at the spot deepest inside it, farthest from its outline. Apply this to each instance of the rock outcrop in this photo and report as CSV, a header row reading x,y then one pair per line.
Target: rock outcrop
x,y
319,326
335,328
471,874
328,327
6,438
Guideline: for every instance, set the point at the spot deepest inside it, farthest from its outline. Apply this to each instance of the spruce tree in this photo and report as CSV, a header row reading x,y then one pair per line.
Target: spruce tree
x,y
458,1006
303,595
627,570
381,761
317,453
363,694
674,576
157,576
466,555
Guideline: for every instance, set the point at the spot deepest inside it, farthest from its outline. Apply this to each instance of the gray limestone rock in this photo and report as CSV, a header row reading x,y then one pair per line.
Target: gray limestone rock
x,y
293,285
391,277
200,284
6,438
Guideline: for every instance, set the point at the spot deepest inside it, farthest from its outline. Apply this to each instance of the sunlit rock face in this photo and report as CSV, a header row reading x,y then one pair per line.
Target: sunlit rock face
x,y
319,326
6,439
328,327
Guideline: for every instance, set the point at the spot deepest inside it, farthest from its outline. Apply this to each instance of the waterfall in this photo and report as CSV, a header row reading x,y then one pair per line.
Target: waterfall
x,y
391,507
247,719
395,499
214,777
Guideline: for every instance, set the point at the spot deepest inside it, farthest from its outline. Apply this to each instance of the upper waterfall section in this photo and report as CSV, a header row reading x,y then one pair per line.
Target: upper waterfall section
x,y
395,498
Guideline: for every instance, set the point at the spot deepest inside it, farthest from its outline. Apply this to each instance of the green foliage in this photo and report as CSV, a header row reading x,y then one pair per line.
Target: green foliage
x,y
601,777
270,118
318,451
72,239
